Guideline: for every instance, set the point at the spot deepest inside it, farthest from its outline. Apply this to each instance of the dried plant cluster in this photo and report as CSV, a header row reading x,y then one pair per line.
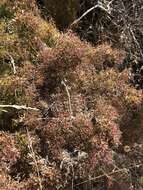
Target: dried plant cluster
x,y
80,123
118,22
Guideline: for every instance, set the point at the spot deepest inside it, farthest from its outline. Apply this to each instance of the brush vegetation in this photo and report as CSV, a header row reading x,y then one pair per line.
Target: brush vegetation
x,y
88,120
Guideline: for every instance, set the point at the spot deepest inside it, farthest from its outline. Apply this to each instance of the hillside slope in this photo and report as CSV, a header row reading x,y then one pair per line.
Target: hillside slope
x,y
70,116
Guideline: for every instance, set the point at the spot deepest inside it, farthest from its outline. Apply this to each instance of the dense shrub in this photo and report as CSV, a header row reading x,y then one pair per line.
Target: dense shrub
x,y
101,97
24,33
82,107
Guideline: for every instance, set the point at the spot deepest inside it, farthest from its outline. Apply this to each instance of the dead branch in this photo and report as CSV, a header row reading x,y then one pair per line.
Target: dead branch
x,y
19,107
13,64
110,173
69,99
34,158
88,11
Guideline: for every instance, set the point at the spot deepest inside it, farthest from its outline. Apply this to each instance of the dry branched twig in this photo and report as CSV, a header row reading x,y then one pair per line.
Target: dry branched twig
x,y
69,99
99,5
18,107
34,158
110,174
13,64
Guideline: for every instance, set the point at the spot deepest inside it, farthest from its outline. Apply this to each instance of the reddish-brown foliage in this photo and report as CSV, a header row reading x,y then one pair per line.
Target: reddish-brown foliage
x,y
84,104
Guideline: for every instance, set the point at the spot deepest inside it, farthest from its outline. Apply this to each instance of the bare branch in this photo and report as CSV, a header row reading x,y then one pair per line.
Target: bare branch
x,y
19,107
34,158
69,99
13,64
111,173
88,11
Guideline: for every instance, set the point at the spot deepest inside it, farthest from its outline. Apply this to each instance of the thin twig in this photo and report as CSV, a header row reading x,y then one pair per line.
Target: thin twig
x,y
135,41
13,64
109,174
72,177
69,98
34,158
19,107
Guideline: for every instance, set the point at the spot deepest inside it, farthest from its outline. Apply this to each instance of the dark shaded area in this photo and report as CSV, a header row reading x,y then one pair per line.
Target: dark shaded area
x,y
137,76
5,12
131,126
63,12
7,121
20,170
